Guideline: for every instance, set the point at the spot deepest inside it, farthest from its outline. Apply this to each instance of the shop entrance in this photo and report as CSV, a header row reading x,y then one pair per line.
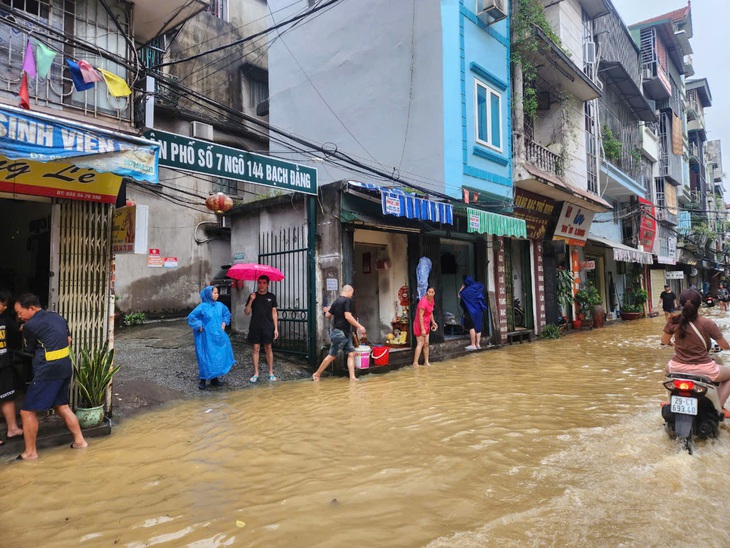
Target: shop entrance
x,y
25,240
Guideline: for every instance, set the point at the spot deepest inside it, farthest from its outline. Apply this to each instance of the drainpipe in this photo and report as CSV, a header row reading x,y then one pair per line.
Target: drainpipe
x,y
518,111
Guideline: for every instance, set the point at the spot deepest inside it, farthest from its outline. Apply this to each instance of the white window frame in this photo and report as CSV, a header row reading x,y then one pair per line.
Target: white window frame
x,y
490,91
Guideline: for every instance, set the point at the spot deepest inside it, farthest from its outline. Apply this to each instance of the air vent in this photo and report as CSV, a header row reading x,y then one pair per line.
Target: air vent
x,y
202,131
496,10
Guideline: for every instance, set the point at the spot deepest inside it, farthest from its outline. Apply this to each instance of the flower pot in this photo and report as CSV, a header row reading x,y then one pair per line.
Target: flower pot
x,y
90,416
580,316
576,324
630,315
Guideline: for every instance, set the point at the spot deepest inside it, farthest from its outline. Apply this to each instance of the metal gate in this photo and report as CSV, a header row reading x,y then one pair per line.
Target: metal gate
x,y
287,250
82,263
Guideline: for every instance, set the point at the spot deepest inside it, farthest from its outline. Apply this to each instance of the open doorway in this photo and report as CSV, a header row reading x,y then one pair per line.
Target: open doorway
x,y
25,238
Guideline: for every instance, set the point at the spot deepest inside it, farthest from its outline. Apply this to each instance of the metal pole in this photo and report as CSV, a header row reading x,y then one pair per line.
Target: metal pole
x,y
312,279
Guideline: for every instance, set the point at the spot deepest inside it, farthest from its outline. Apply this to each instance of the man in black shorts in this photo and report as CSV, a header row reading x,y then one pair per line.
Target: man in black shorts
x,y
46,336
669,302
264,326
8,338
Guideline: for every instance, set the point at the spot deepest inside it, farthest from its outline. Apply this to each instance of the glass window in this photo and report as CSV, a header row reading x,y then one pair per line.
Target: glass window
x,y
488,116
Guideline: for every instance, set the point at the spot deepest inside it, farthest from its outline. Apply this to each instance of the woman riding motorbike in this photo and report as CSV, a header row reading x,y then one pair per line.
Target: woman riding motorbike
x,y
692,334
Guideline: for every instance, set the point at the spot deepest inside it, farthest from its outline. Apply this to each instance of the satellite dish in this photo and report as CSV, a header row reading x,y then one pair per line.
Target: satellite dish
x,y
693,272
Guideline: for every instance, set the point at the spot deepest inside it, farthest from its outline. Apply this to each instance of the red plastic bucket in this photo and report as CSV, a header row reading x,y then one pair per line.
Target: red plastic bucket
x,y
380,355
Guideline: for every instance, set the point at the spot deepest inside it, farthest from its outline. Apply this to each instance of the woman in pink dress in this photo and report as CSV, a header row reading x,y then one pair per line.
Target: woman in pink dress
x,y
422,323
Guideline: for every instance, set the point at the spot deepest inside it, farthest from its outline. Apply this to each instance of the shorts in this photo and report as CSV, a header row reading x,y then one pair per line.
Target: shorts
x,y
468,323
7,383
710,369
257,335
42,395
340,341
670,310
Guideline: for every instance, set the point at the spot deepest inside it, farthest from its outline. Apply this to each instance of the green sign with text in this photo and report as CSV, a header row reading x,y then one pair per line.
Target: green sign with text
x,y
181,152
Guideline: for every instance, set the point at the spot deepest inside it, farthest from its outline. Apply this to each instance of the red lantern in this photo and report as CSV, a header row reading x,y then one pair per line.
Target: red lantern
x,y
219,203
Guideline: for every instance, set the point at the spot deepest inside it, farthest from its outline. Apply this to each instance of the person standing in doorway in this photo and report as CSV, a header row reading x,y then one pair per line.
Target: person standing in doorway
x,y
341,311
8,381
264,327
47,337
423,325
473,305
668,300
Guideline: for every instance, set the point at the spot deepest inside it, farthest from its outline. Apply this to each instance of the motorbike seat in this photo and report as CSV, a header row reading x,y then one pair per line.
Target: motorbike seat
x,y
698,378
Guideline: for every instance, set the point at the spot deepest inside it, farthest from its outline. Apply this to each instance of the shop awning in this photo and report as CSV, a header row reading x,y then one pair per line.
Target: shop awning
x,y
623,253
396,201
38,137
485,222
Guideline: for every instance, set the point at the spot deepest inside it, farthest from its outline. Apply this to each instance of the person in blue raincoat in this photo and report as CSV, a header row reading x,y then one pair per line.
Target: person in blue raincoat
x,y
472,302
212,346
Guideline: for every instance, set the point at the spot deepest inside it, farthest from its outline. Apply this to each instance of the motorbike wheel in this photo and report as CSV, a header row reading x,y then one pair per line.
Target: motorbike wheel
x,y
685,444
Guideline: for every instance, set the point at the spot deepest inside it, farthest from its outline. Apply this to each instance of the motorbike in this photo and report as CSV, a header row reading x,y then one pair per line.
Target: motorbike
x,y
708,300
693,410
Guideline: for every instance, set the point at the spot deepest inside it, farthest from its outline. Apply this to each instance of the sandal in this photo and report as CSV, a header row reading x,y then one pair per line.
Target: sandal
x,y
272,378
254,379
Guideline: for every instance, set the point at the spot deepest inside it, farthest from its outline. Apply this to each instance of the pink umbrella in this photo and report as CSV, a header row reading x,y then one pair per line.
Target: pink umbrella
x,y
252,271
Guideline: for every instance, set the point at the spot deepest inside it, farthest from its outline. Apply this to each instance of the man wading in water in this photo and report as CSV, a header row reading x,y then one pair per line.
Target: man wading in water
x,y
340,338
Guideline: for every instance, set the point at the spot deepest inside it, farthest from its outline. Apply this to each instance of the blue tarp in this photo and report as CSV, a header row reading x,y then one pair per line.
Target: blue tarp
x,y
212,346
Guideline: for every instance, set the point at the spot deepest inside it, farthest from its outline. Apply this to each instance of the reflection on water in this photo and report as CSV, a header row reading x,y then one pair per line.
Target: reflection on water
x,y
555,442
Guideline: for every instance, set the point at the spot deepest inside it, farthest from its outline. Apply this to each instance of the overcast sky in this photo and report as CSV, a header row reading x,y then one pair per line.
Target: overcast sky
x,y
710,28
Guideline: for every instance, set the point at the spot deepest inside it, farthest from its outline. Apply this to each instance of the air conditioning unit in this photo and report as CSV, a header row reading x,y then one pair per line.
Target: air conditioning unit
x,y
201,130
496,10
589,52
647,73
225,221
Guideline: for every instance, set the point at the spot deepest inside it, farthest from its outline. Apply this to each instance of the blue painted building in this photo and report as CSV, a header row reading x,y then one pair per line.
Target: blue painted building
x,y
417,94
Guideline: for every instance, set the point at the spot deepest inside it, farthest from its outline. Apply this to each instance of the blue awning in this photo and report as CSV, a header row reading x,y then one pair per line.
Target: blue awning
x,y
395,201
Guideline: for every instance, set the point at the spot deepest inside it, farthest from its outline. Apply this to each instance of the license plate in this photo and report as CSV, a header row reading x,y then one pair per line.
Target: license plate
x,y
684,405
223,290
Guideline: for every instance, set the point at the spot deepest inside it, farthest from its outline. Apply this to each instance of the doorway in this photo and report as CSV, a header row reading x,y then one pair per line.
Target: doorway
x,y
367,288
25,238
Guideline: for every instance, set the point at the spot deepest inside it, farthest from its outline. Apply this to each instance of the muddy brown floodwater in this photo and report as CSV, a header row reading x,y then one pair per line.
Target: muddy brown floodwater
x,y
550,443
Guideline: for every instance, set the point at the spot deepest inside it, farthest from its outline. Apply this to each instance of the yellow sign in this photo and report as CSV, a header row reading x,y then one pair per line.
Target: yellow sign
x,y
58,180
124,229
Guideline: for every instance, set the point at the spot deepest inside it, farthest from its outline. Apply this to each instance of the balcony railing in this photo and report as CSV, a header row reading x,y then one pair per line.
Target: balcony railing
x,y
543,158
91,24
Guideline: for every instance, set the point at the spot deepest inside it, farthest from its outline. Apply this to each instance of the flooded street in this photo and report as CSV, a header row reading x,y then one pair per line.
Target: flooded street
x,y
550,443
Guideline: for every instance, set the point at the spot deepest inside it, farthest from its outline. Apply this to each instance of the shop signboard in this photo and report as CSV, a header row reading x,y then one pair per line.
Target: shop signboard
x,y
536,211
56,180
198,156
674,275
647,224
573,225
43,138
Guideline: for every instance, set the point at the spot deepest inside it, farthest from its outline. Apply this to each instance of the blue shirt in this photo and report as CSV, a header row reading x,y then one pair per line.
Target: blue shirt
x,y
46,336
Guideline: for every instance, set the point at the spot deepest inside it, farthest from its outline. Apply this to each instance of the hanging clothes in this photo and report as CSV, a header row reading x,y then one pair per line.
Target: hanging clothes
x,y
212,346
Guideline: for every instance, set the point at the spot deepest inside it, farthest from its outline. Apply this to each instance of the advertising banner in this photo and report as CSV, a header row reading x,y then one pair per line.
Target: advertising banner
x,y
44,139
647,224
536,212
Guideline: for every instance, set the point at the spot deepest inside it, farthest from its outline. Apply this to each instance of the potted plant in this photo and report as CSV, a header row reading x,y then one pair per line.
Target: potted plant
x,y
565,290
587,299
632,307
93,370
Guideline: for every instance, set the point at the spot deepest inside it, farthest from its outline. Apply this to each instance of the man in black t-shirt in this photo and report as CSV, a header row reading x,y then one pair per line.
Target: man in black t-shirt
x,y
264,326
669,302
341,311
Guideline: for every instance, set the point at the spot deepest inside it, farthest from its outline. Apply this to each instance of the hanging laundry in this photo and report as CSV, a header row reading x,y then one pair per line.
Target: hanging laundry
x,y
116,85
24,95
43,58
29,61
77,77
89,73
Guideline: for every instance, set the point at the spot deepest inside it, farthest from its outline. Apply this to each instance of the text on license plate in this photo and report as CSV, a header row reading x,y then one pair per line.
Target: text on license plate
x,y
684,405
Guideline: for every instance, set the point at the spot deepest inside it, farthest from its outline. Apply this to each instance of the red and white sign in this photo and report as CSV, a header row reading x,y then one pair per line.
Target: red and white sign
x,y
154,260
170,262
588,265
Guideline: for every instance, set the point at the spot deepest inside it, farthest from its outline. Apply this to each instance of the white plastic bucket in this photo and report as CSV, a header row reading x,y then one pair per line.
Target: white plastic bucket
x,y
362,357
